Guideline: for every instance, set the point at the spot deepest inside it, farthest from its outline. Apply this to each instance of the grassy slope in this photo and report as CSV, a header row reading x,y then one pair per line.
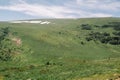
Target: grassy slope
x,y
59,44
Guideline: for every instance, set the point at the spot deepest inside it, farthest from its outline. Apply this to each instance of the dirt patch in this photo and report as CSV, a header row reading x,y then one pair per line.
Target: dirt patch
x,y
115,77
1,77
17,41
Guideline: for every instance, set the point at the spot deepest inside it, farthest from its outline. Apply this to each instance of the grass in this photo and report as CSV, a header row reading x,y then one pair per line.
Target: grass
x,y
59,55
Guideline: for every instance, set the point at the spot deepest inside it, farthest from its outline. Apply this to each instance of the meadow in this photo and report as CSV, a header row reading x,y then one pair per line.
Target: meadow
x,y
60,51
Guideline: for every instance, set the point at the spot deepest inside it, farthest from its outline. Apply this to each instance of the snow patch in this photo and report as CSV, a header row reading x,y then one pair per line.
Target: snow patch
x,y
46,22
35,22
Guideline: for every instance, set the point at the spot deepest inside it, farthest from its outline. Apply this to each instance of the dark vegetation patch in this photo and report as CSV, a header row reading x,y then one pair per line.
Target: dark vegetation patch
x,y
114,25
103,38
116,33
86,27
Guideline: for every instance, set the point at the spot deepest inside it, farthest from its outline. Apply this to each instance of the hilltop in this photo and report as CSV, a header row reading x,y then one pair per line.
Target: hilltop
x,y
67,49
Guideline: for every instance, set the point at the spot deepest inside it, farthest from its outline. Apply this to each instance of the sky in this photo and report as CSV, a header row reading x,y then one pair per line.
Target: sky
x,y
39,9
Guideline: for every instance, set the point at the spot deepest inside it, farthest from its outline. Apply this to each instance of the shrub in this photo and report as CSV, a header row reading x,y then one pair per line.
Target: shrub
x,y
82,43
97,26
116,33
106,34
86,27
105,26
9,48
117,28
104,38
88,38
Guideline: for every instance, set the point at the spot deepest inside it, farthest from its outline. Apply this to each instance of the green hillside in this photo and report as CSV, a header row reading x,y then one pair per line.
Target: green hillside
x,y
61,51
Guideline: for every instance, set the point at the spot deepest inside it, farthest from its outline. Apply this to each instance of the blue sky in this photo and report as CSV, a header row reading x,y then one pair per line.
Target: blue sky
x,y
32,9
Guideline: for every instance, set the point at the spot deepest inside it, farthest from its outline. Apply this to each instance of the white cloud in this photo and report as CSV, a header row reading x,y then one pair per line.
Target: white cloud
x,y
58,11
38,10
101,15
99,4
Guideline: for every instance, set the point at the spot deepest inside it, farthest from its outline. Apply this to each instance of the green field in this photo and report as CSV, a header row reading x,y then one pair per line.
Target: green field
x,y
61,52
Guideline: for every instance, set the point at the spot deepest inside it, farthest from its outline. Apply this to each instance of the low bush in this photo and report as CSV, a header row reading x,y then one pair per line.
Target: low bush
x,y
104,38
86,27
11,47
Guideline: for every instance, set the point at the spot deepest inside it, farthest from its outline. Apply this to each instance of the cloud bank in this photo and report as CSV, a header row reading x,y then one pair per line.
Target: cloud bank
x,y
69,9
